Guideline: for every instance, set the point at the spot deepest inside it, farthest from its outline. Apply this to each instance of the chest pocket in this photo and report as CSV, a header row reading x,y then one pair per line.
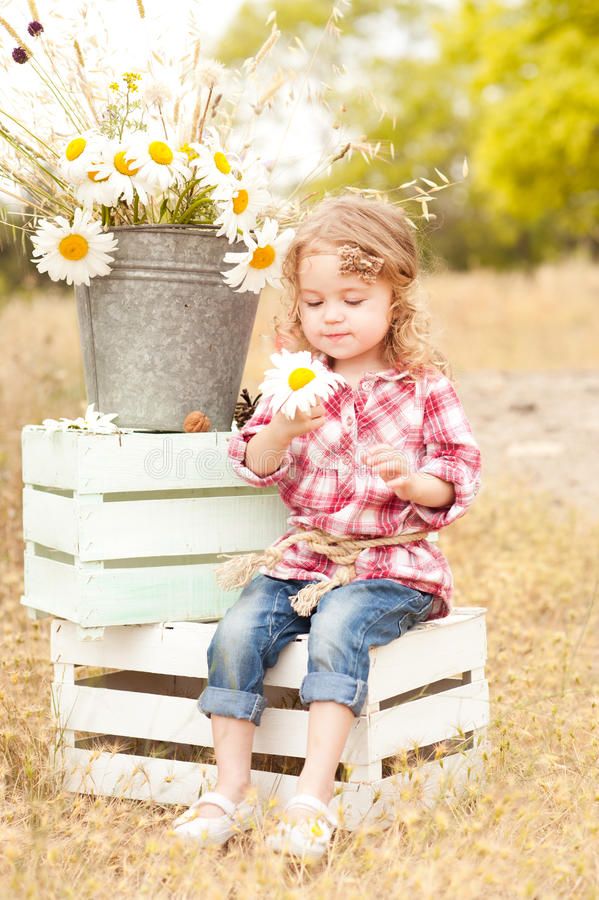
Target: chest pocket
x,y
392,422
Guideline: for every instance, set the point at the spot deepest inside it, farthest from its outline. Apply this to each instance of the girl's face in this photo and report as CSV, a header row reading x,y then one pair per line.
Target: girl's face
x,y
342,315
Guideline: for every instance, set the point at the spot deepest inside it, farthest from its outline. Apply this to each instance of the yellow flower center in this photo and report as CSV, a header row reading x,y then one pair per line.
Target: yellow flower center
x,y
93,176
75,148
73,246
299,378
161,153
222,163
240,202
121,164
263,257
191,153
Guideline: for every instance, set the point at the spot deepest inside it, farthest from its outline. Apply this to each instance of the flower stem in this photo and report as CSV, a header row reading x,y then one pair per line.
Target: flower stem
x,y
49,83
188,214
205,113
188,190
30,133
28,153
125,116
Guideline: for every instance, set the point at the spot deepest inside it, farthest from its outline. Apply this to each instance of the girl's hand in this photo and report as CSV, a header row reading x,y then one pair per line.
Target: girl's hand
x,y
286,429
393,467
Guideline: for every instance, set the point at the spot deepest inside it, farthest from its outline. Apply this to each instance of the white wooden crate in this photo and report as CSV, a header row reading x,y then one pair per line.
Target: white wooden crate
x,y
126,528
424,689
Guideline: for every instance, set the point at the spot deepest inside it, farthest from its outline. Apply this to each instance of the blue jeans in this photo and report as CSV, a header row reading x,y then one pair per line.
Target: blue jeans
x,y
346,623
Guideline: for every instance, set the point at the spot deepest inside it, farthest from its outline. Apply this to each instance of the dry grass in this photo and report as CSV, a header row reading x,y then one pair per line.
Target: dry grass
x,y
531,831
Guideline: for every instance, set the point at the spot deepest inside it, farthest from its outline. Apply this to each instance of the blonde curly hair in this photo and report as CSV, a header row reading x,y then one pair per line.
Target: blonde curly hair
x,y
380,229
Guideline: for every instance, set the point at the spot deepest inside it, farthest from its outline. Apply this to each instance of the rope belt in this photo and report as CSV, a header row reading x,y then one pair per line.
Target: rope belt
x,y
340,549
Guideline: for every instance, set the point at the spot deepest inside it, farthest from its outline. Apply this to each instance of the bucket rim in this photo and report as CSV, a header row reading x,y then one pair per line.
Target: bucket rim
x,y
208,230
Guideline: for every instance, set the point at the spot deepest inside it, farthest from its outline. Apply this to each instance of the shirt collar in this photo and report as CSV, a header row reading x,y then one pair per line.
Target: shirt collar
x,y
392,374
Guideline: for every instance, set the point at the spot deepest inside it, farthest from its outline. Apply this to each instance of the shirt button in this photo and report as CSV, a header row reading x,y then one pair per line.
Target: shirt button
x,y
367,384
349,420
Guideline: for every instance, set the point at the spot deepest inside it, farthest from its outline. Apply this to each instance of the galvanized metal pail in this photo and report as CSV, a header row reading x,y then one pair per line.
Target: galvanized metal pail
x,y
162,334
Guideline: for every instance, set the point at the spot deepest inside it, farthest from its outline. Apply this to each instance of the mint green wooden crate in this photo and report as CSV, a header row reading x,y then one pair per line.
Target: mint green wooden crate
x,y
125,528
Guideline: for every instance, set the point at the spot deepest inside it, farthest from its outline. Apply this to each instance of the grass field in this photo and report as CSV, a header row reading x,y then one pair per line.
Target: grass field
x,y
531,831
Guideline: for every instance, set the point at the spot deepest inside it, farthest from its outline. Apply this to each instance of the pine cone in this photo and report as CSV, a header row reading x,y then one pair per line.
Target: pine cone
x,y
245,408
196,421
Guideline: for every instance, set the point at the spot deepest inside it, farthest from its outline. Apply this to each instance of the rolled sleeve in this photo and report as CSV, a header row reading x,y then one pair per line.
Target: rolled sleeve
x,y
238,443
452,454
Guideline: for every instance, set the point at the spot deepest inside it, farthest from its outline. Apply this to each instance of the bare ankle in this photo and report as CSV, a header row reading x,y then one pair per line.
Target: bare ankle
x,y
324,792
232,788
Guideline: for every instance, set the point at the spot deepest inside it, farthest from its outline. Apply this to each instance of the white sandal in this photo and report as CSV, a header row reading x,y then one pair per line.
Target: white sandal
x,y
237,817
308,838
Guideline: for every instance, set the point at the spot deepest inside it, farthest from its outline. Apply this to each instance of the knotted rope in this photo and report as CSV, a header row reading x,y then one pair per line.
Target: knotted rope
x,y
340,549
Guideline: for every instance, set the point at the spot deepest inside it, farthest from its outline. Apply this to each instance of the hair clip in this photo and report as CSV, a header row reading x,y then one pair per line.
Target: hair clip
x,y
355,261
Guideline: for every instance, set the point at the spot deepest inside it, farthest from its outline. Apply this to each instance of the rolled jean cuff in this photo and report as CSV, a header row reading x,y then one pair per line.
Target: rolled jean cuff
x,y
334,686
235,704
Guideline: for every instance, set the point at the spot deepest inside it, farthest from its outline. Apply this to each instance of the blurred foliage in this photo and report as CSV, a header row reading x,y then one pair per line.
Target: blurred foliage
x,y
514,87
17,274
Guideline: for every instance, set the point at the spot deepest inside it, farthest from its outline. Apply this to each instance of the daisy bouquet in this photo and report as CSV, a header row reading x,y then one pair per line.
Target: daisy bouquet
x,y
165,144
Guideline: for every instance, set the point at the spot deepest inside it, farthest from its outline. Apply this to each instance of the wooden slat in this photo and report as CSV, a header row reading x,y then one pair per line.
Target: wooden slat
x,y
50,519
427,654
180,649
122,596
163,649
49,459
147,462
430,719
147,528
178,782
51,587
282,732
132,461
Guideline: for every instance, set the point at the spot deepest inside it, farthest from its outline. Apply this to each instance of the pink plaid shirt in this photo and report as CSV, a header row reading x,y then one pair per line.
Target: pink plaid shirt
x,y
326,484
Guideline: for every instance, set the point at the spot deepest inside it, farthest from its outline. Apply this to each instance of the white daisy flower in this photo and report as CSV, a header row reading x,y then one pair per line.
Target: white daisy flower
x,y
262,261
96,187
124,175
159,163
239,202
78,155
93,421
297,382
75,252
213,164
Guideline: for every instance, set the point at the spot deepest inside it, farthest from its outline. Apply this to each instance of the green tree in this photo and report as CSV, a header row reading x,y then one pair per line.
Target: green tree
x,y
530,73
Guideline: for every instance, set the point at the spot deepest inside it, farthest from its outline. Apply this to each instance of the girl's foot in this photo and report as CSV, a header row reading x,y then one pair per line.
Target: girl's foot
x,y
209,831
308,836
296,813
235,794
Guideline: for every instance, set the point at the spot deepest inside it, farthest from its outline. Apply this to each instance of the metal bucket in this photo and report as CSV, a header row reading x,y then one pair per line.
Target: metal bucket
x,y
162,334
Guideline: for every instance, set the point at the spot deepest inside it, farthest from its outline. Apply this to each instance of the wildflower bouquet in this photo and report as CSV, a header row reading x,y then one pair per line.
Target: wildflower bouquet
x,y
152,148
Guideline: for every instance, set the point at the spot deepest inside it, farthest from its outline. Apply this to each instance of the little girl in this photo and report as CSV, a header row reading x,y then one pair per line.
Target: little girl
x,y
386,460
